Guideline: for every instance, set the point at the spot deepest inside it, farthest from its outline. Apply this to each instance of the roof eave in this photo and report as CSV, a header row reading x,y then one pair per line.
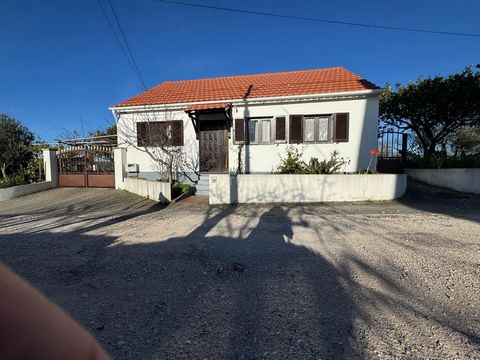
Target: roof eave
x,y
262,100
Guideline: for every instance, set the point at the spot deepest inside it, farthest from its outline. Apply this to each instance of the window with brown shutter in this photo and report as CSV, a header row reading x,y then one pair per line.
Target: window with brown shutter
x,y
239,130
160,133
340,132
280,129
296,129
141,133
177,132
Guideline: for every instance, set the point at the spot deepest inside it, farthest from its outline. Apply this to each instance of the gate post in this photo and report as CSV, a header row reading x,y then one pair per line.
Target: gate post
x,y
50,166
120,160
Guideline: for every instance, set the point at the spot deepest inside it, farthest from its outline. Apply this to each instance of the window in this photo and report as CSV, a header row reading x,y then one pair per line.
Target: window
x,y
266,131
252,131
259,131
309,129
323,125
318,128
160,133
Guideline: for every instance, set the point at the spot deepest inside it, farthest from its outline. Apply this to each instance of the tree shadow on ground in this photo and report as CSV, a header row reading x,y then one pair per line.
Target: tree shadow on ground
x,y
237,286
205,295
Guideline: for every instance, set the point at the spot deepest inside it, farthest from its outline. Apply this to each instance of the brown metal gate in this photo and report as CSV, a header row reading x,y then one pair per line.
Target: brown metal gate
x,y
91,166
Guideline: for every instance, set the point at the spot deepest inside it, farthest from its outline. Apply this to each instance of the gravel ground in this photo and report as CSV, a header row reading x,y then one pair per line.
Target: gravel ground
x,y
387,280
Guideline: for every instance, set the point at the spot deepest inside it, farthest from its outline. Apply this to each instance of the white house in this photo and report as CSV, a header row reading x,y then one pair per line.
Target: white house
x,y
252,118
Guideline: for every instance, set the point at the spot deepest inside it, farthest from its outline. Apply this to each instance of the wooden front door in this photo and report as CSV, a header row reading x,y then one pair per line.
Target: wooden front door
x,y
213,149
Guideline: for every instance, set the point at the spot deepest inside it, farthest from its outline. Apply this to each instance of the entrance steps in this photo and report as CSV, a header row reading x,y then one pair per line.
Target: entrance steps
x,y
202,185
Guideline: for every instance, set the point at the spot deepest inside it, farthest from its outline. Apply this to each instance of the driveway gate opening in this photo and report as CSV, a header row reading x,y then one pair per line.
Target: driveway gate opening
x,y
86,165
393,152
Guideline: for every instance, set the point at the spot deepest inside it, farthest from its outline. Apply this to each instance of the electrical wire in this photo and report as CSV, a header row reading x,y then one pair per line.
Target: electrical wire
x,y
313,19
119,42
126,44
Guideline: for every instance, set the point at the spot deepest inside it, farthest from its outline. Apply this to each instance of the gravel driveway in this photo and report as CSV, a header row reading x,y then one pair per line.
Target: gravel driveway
x,y
388,280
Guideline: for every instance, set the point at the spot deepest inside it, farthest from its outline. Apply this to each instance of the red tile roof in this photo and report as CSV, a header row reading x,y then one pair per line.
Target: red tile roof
x,y
208,106
304,82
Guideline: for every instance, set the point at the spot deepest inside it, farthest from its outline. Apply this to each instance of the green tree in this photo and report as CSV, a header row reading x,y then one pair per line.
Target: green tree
x,y
15,145
433,108
467,141
110,130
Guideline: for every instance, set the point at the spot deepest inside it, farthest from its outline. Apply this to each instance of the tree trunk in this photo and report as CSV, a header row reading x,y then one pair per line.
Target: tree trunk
x,y
4,170
428,154
170,168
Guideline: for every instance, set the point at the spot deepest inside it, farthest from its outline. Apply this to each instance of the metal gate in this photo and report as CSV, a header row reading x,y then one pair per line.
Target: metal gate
x,y
393,151
86,166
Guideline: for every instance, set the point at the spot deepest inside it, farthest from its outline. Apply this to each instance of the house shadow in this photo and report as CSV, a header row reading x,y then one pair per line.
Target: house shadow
x,y
229,289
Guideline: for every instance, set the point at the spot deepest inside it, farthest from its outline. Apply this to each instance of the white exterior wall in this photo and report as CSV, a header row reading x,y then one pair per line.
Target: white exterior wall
x,y
363,117
127,132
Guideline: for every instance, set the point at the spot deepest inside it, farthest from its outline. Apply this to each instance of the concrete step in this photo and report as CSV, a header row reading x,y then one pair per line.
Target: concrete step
x,y
203,185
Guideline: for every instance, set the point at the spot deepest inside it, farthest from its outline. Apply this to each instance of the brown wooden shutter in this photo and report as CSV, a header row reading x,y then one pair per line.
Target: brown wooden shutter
x,y
340,131
296,129
239,130
177,132
280,128
141,133
156,133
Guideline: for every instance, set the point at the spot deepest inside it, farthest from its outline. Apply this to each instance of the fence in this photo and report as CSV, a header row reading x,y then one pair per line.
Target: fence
x,y
86,166
276,188
154,190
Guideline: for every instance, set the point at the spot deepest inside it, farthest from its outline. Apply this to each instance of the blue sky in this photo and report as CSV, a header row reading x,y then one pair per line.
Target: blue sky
x,y
61,67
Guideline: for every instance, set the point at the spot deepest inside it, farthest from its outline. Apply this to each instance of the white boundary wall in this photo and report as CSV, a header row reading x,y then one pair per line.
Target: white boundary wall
x,y
154,190
466,180
276,188
20,190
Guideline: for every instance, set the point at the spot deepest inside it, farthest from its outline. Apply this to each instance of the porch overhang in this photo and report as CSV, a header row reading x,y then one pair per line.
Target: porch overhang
x,y
195,110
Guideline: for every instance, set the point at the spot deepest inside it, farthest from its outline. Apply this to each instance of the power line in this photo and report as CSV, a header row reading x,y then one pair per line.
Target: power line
x,y
126,44
313,19
119,42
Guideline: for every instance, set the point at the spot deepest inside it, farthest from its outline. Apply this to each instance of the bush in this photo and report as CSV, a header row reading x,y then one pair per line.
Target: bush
x,y
293,164
13,180
325,166
179,188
